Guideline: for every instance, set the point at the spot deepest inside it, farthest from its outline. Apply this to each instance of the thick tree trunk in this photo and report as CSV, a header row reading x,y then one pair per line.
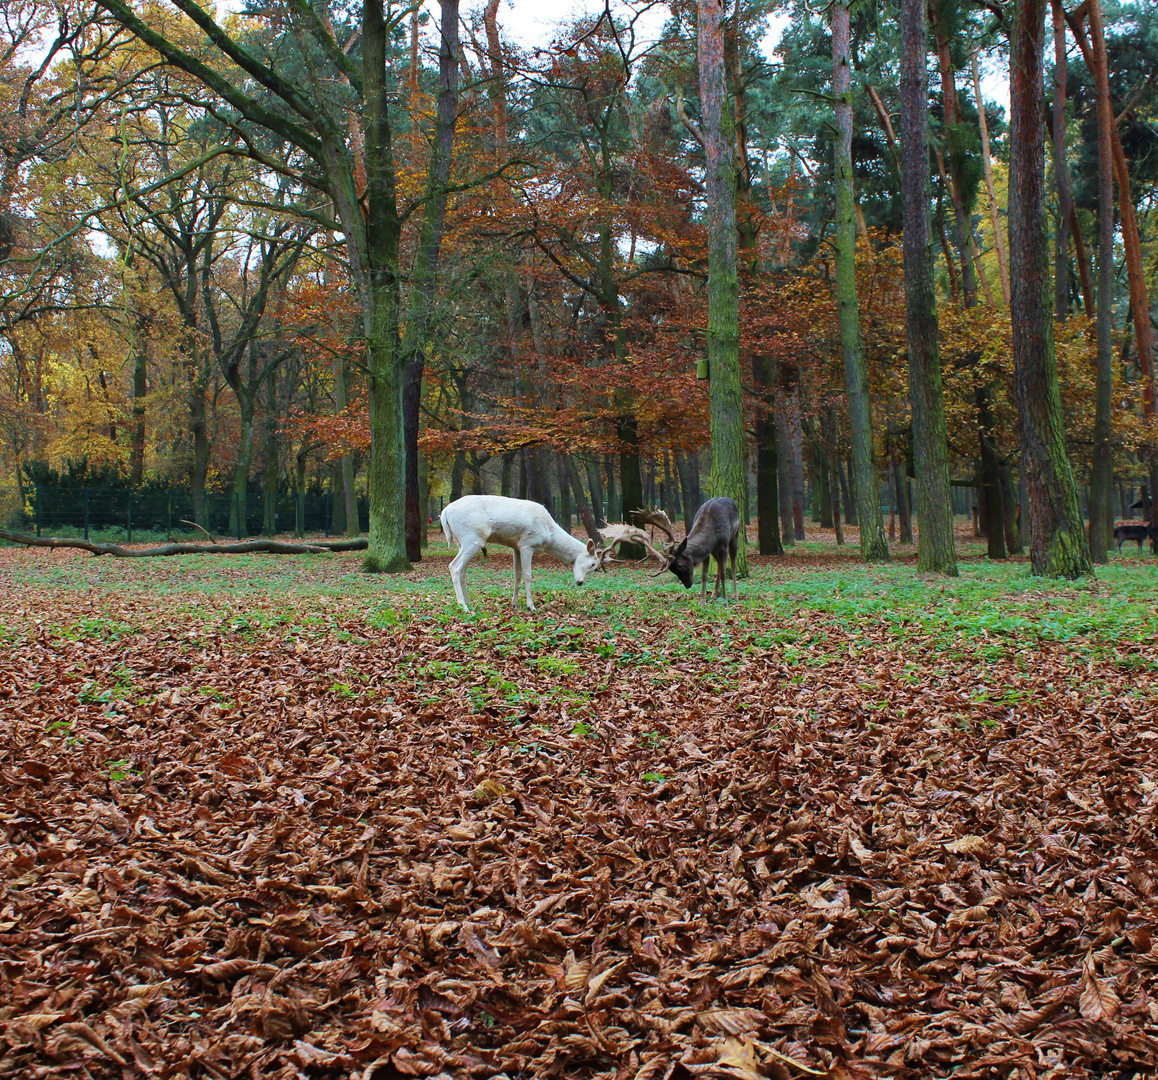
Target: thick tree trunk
x,y
1102,469
936,552
873,545
1058,547
729,475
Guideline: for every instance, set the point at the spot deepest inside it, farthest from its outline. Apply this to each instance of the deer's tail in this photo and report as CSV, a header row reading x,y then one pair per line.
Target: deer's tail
x,y
447,531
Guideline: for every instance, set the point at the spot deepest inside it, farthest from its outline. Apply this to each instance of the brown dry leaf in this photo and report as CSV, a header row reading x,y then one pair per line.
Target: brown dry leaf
x,y
1098,1000
970,844
730,1021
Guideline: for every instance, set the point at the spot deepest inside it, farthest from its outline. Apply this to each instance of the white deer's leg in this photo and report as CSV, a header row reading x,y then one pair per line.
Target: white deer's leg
x,y
458,565
527,555
518,577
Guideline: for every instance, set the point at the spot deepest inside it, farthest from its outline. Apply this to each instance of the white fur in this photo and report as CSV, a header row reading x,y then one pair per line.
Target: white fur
x,y
524,526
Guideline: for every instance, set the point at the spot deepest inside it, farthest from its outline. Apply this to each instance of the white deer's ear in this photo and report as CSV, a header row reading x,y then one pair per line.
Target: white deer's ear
x,y
590,547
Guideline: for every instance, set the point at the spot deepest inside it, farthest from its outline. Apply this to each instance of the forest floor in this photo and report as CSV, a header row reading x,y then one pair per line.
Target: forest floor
x,y
272,817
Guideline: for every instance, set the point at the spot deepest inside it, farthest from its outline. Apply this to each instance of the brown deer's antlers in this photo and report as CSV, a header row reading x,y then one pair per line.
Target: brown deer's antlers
x,y
657,518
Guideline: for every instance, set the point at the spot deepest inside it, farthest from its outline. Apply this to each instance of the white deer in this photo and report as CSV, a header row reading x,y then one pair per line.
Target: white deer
x,y
524,526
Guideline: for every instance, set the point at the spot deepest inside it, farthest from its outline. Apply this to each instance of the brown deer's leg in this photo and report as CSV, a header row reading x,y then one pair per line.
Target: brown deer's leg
x,y
704,581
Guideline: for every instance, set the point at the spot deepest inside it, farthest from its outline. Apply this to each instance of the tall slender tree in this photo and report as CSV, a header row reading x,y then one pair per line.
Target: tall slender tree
x,y
1058,542
935,547
873,545
728,476
1102,470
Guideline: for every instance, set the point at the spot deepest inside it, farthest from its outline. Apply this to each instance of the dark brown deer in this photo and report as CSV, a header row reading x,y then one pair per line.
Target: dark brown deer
x,y
715,532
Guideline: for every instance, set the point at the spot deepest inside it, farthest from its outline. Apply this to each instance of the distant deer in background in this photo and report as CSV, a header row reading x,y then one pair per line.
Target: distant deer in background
x,y
524,526
715,532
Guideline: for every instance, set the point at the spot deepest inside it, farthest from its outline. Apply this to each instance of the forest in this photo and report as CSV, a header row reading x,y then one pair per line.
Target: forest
x,y
244,256
868,286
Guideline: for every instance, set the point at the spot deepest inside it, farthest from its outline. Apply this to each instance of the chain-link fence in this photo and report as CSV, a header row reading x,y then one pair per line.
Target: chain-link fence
x,y
81,511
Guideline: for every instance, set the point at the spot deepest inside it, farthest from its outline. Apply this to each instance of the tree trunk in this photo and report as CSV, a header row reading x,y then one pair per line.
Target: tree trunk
x,y
338,502
1058,547
272,468
1009,512
846,493
936,552
458,469
585,514
962,226
767,463
505,481
1102,466
728,475
200,430
784,469
903,514
140,389
427,261
873,545
1095,57
686,492
989,478
595,483
1061,172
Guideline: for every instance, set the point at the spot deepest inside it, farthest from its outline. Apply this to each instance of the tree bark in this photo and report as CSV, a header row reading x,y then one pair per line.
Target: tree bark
x,y
936,551
873,546
728,475
427,263
1102,465
1058,547
767,463
1061,172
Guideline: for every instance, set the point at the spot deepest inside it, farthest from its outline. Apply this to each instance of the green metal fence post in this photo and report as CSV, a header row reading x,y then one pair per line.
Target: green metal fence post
x,y
86,513
129,529
169,516
38,502
301,514
240,514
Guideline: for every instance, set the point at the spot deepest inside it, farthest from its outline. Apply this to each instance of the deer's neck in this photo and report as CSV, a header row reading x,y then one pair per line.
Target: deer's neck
x,y
564,546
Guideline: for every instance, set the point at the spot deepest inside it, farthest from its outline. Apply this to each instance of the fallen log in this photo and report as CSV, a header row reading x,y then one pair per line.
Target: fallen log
x,y
268,547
